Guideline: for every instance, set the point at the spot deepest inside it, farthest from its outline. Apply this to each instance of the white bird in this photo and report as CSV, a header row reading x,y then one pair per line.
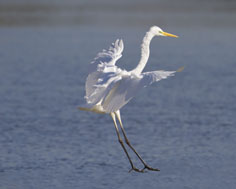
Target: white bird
x,y
109,88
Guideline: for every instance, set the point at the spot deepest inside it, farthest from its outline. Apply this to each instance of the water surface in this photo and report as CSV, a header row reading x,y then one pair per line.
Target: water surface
x,y
185,125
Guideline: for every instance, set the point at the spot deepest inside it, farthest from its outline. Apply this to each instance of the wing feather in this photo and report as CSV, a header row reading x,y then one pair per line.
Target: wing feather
x,y
149,77
121,93
128,87
103,72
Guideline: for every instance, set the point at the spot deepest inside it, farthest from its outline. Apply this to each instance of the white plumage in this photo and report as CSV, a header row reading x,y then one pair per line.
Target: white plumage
x,y
109,88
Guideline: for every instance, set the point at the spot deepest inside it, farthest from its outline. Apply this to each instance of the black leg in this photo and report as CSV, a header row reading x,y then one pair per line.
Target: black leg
x,y
122,144
128,143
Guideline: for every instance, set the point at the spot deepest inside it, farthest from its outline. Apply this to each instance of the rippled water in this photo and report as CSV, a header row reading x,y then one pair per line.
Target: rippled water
x,y
185,125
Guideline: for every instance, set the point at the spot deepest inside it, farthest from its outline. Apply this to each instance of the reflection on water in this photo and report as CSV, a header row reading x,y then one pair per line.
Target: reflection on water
x,y
122,13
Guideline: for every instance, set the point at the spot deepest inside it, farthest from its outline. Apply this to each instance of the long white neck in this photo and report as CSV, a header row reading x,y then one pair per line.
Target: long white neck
x,y
145,51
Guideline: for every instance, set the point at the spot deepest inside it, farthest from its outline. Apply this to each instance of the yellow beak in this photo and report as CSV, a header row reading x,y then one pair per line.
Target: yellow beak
x,y
169,34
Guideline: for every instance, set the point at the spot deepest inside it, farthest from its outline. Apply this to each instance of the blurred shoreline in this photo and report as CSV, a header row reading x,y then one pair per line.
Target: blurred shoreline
x,y
105,13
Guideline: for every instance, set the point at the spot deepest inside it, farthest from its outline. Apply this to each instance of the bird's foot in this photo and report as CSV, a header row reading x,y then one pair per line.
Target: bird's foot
x,y
149,168
136,169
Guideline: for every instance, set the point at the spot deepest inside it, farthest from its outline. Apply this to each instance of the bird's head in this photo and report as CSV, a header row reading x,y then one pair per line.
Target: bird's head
x,y
159,32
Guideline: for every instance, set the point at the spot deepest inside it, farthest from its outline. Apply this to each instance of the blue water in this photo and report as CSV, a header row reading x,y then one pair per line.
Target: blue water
x,y
185,125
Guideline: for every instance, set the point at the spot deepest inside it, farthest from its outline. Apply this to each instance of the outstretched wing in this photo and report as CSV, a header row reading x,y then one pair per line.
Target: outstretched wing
x,y
149,77
126,88
103,72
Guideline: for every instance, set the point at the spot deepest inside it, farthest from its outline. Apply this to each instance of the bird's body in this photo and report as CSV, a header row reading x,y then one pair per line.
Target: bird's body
x,y
109,88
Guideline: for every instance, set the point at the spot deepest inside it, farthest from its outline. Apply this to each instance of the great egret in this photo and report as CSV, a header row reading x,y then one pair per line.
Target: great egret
x,y
109,88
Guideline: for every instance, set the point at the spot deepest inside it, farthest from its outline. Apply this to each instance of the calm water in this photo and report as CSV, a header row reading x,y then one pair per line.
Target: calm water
x,y
185,126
